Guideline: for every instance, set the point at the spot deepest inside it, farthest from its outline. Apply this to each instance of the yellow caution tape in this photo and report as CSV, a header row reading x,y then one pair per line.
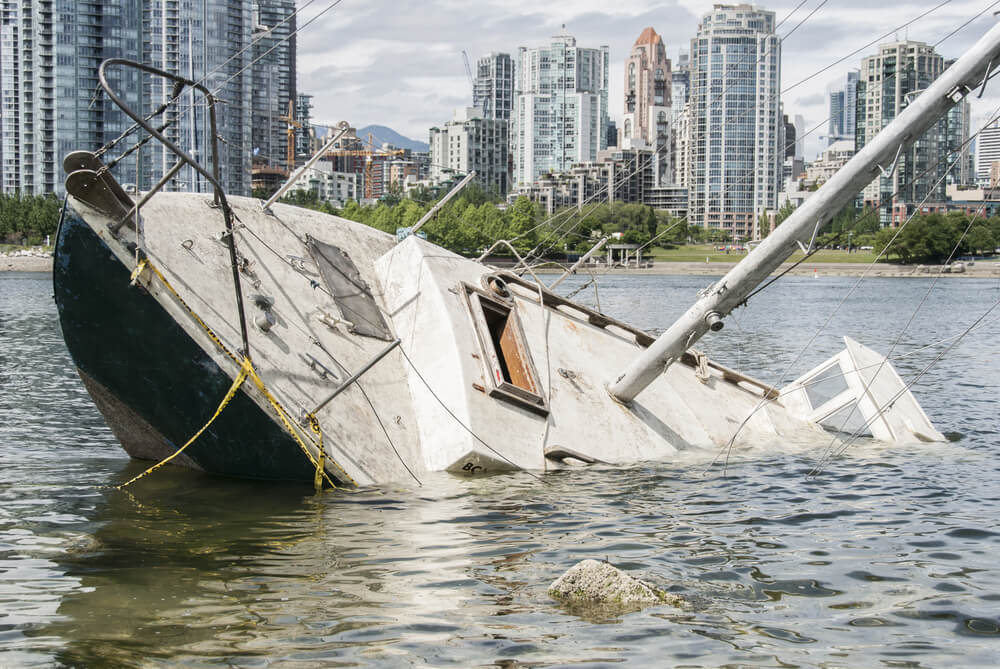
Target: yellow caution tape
x,y
246,371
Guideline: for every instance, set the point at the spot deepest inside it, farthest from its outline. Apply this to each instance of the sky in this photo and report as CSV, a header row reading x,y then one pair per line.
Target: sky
x,y
400,63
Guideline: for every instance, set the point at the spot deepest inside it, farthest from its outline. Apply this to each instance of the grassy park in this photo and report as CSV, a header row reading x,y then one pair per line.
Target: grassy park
x,y
699,252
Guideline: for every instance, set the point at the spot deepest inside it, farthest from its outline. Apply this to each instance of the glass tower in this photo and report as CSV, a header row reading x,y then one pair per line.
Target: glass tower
x,y
50,51
734,125
561,109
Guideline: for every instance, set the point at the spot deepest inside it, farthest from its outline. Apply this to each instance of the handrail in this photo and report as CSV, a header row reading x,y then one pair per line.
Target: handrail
x,y
213,178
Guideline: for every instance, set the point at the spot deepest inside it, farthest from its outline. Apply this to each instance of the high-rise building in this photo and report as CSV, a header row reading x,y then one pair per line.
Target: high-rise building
x,y
734,117
789,141
889,80
561,107
304,135
209,41
647,118
50,51
49,58
273,80
680,82
843,107
612,134
960,157
470,142
680,86
493,88
987,153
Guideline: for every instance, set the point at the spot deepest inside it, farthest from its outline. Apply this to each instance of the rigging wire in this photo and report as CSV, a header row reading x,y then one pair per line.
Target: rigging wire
x,y
204,78
728,449
687,110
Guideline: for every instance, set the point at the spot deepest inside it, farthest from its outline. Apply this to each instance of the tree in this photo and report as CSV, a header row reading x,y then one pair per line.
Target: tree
x,y
28,219
521,219
927,238
981,240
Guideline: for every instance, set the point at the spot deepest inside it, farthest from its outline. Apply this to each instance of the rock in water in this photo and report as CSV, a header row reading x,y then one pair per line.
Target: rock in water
x,y
596,582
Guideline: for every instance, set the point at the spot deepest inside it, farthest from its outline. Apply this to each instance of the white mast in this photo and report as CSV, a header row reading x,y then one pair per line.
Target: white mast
x,y
971,70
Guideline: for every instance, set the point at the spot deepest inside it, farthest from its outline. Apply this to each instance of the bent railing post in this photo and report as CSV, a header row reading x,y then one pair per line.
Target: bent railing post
x,y
213,178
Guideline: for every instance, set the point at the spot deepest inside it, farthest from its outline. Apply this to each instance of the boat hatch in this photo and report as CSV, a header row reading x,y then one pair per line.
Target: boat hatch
x,y
504,353
350,292
858,392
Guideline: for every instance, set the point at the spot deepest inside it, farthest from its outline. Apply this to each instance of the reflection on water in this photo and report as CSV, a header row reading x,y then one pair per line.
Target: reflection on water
x,y
884,560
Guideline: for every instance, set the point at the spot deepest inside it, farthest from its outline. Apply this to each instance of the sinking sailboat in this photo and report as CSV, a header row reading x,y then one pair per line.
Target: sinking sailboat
x,y
279,343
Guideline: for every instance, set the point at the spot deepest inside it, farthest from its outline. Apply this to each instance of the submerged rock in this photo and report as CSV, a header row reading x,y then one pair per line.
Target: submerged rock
x,y
596,582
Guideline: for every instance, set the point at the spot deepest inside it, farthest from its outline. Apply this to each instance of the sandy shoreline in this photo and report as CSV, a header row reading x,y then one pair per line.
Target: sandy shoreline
x,y
985,269
25,263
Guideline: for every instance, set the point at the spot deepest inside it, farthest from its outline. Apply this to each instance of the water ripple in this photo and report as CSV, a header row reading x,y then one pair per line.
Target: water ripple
x,y
886,559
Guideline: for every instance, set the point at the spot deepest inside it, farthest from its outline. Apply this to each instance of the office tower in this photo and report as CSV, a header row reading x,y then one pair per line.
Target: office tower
x,y
888,81
561,108
647,119
274,93
493,88
843,107
471,142
734,119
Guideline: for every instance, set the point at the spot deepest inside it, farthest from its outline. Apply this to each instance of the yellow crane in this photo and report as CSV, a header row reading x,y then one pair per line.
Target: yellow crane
x,y
293,125
369,154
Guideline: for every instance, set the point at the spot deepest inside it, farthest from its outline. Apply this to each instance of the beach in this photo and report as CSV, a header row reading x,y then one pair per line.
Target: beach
x,y
25,261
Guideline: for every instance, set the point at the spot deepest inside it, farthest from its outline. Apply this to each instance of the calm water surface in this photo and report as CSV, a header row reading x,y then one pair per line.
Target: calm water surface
x,y
887,559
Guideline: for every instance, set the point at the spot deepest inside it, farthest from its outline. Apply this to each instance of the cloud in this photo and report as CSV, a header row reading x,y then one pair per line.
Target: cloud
x,y
811,100
400,63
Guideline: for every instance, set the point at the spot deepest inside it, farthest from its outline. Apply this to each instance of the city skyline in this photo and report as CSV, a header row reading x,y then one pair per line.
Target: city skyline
x,y
423,78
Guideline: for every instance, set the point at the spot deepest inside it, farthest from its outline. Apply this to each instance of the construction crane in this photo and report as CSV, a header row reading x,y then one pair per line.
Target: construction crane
x,y
472,85
370,154
292,126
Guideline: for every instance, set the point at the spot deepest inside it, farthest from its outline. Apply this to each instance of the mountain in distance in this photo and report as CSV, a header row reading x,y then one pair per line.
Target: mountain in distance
x,y
385,135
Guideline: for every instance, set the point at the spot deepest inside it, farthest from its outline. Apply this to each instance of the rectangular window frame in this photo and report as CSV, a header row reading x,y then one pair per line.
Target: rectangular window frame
x,y
502,350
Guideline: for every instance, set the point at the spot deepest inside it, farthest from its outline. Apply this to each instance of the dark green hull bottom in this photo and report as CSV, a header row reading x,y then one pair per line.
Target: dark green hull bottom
x,y
154,384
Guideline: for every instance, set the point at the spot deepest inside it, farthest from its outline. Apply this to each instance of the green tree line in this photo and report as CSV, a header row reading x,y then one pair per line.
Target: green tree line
x,y
474,219
933,238
27,219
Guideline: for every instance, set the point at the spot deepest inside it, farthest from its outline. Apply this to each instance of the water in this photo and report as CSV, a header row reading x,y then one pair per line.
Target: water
x,y
887,559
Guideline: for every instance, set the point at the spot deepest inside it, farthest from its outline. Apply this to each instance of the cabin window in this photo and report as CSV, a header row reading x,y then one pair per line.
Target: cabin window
x,y
825,386
505,354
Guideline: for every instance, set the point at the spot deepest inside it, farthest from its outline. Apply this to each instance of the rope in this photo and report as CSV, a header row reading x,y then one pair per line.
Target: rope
x,y
246,371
